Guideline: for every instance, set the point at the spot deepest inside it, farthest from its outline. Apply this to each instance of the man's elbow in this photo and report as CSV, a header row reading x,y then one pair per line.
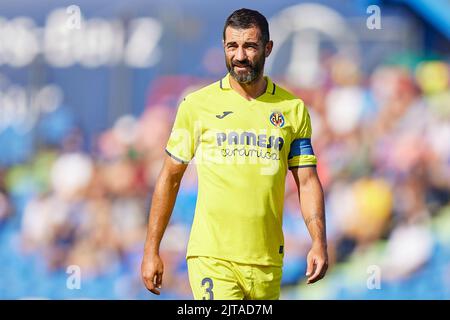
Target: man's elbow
x,y
307,176
172,172
309,181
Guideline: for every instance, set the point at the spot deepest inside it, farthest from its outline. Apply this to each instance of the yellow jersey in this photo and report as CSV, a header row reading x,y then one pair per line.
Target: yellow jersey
x,y
242,150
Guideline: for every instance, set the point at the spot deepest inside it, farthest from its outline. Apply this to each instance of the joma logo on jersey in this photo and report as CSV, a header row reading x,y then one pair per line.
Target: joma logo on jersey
x,y
251,139
277,119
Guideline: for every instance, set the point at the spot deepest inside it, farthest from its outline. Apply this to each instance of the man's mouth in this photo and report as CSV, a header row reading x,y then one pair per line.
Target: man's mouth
x,y
241,67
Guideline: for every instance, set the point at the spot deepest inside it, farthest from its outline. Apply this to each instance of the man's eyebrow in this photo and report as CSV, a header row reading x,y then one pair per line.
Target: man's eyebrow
x,y
247,43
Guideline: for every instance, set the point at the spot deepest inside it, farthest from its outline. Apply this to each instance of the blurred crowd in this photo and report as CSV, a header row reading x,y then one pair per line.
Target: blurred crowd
x,y
383,146
383,143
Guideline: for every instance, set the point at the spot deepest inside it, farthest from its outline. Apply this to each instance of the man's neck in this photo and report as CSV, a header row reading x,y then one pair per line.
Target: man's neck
x,y
249,91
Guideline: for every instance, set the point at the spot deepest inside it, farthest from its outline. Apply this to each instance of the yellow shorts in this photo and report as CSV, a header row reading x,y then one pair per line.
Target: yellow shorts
x,y
216,279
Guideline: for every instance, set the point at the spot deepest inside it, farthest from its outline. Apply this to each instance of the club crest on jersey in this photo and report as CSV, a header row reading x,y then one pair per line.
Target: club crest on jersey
x,y
277,119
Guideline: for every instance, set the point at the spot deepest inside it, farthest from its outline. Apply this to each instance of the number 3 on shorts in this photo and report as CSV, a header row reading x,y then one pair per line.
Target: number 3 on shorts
x,y
208,289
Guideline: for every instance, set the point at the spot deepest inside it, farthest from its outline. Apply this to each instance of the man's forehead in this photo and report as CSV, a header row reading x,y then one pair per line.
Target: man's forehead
x,y
251,34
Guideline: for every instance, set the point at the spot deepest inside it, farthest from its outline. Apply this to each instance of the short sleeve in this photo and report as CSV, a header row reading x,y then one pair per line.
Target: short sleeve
x,y
301,153
181,141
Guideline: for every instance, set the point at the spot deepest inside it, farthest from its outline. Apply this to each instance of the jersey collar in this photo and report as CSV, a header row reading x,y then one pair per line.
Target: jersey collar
x,y
225,84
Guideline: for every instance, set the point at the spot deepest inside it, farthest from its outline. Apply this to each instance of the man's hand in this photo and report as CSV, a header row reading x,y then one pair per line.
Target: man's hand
x,y
152,269
317,260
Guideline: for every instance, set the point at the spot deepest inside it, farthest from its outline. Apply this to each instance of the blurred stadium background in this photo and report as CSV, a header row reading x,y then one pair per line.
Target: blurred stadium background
x,y
85,111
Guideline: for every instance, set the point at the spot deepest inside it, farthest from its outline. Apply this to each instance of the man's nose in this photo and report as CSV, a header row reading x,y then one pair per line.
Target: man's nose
x,y
240,54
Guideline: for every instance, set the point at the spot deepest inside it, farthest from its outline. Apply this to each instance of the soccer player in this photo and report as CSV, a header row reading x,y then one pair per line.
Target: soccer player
x,y
245,132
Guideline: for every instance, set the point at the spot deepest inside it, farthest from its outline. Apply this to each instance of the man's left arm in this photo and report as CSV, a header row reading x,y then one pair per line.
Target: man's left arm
x,y
313,210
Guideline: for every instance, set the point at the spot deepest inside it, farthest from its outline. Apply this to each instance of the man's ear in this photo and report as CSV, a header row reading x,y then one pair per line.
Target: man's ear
x,y
269,46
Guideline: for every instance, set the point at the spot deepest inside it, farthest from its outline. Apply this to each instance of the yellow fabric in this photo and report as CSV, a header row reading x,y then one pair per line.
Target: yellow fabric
x,y
216,279
241,150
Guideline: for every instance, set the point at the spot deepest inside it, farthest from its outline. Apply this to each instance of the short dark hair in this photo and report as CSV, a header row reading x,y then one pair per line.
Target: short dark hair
x,y
247,18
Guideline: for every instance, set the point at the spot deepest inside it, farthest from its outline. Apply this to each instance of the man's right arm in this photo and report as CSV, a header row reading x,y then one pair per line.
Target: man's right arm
x,y
163,201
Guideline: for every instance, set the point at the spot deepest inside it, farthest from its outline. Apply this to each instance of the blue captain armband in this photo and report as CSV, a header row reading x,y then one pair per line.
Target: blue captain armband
x,y
301,147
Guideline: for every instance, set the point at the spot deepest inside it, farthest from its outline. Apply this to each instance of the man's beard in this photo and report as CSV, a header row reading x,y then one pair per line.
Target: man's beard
x,y
247,76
